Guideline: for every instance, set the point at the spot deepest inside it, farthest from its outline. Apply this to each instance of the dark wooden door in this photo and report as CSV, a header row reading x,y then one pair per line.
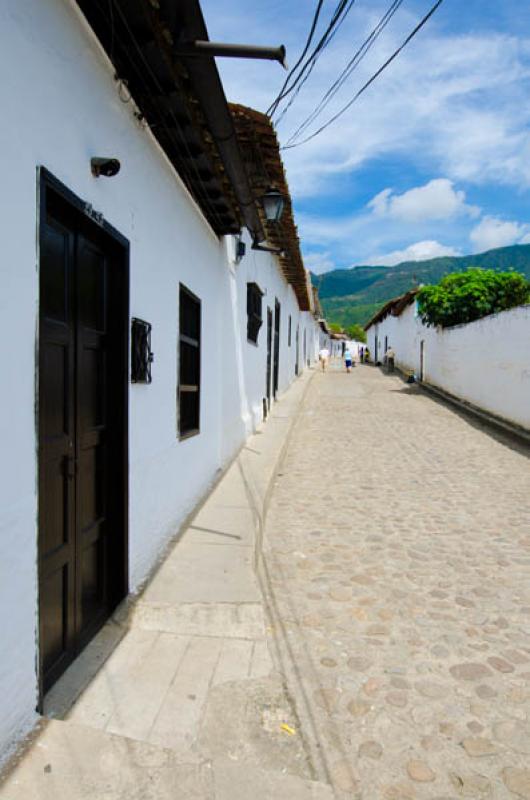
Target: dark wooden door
x,y
269,357
276,370
81,434
297,363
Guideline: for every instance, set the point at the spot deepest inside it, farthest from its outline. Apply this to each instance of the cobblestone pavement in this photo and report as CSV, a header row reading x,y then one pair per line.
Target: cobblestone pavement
x,y
397,573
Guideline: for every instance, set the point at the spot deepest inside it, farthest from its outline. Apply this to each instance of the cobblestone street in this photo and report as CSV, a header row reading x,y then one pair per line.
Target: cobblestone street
x,y
397,577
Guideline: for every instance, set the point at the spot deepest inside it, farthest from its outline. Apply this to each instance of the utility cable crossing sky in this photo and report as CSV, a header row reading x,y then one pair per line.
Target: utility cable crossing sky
x,y
294,140
336,21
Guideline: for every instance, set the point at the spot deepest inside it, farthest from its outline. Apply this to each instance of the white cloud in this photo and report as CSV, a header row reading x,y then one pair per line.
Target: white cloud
x,y
421,251
493,232
319,262
436,200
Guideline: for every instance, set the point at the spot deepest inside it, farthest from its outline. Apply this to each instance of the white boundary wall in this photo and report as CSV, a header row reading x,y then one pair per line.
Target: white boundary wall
x,y
486,363
60,107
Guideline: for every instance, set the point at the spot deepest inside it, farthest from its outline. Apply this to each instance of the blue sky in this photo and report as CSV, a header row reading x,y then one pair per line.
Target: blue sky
x,y
433,159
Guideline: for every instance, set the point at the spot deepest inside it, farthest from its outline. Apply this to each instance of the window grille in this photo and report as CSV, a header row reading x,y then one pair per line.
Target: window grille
x,y
189,394
141,355
254,311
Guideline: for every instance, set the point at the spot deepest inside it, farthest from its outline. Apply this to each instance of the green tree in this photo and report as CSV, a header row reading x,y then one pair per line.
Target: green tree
x,y
356,332
466,296
335,327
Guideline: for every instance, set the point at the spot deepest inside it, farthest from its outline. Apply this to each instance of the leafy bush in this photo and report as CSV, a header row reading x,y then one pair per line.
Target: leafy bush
x,y
466,296
356,333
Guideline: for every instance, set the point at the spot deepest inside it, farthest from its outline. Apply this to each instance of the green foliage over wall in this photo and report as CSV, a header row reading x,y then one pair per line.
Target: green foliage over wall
x,y
466,296
356,333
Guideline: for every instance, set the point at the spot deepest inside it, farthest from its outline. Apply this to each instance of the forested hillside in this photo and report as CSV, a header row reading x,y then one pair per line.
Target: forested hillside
x,y
353,295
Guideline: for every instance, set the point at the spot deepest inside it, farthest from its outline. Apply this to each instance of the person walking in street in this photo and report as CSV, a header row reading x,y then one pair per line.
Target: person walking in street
x,y
323,357
361,354
390,359
348,360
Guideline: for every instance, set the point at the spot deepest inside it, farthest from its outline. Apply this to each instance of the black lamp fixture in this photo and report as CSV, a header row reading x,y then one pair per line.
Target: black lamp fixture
x,y
273,203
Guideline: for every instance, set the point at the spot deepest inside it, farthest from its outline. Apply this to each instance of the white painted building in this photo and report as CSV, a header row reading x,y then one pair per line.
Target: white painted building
x,y
97,473
485,363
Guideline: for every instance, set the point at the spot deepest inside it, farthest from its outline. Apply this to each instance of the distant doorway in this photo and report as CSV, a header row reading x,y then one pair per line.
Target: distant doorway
x,y
422,360
276,370
269,358
297,362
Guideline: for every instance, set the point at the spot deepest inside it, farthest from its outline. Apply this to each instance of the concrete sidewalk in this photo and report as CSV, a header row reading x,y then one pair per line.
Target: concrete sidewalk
x,y
178,696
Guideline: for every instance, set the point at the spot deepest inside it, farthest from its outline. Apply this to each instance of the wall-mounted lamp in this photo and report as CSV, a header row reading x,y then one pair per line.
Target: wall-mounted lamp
x,y
241,249
104,166
273,203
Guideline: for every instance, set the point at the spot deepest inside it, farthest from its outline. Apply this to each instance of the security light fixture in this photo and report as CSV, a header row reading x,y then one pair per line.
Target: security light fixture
x,y
277,251
104,166
273,203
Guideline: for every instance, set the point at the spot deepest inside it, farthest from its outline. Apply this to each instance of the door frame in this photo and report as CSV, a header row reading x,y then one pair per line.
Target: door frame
x,y
46,183
422,361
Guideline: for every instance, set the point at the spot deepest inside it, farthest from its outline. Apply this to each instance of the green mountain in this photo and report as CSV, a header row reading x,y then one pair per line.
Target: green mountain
x,y
354,295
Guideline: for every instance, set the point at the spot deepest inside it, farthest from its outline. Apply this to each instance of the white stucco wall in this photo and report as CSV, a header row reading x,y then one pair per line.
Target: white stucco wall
x,y
60,107
486,363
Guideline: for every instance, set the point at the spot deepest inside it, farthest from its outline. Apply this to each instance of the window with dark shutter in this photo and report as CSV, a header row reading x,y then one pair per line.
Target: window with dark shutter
x,y
289,332
189,389
254,304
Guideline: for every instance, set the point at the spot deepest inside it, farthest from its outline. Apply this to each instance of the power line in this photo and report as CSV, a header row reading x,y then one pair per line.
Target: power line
x,y
352,65
312,62
370,81
336,20
304,51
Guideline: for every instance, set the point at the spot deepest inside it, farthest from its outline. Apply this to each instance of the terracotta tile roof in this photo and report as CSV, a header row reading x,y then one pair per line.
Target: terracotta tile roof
x,y
261,153
396,306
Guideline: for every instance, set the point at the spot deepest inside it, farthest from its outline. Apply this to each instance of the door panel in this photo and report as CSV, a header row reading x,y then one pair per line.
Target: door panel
x,y
56,416
81,361
276,369
269,357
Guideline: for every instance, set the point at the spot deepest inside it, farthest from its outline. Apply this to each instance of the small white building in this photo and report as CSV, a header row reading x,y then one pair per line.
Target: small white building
x,y
485,363
139,345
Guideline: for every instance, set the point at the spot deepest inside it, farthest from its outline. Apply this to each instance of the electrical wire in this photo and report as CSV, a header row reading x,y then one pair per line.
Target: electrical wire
x,y
369,82
313,64
339,14
350,67
304,51
336,21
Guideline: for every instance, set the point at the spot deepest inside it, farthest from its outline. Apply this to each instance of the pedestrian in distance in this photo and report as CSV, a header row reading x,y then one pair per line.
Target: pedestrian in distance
x,y
361,354
390,359
323,357
366,355
348,360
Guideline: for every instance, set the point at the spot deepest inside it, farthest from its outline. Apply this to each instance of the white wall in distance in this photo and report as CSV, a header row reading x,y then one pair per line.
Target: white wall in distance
x,y
486,363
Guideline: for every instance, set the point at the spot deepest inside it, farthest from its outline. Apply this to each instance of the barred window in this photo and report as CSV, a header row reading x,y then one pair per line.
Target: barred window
x,y
189,394
254,306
